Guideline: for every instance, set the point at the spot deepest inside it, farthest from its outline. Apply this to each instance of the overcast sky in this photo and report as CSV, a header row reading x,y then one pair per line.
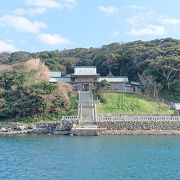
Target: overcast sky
x,y
38,25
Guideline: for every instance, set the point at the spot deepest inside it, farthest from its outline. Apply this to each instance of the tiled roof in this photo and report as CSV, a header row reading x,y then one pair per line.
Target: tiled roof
x,y
55,74
85,70
114,79
135,83
61,79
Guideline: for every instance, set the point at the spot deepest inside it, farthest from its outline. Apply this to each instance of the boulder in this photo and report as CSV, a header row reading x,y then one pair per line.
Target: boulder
x,y
58,128
33,127
3,129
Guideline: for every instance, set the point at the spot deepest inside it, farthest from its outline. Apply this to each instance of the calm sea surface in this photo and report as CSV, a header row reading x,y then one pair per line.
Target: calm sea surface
x,y
90,158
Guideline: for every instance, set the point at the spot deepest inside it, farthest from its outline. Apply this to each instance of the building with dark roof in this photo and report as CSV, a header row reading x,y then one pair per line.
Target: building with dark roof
x,y
86,78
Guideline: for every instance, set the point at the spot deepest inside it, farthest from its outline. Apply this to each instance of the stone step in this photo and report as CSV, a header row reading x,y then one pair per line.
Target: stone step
x,y
84,132
87,123
87,127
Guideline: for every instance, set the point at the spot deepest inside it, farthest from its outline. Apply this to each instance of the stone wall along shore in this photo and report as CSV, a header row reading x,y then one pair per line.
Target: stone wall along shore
x,y
104,128
139,125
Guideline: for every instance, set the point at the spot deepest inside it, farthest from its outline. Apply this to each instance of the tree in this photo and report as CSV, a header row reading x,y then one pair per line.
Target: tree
x,y
104,85
168,68
10,78
151,87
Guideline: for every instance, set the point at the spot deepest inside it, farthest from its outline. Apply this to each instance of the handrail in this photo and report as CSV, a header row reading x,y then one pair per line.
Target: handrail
x,y
70,118
138,118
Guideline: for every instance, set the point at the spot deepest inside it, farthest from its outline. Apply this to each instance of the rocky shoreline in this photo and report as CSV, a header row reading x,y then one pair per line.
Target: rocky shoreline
x,y
44,128
66,129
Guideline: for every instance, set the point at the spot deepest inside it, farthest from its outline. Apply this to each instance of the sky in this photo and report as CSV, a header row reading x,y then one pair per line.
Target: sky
x,y
40,25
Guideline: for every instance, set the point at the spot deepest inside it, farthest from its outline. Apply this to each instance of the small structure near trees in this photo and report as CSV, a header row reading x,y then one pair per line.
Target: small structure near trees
x,y
176,107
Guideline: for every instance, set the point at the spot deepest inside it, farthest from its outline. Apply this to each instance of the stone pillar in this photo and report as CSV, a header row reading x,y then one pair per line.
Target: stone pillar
x,y
79,110
95,112
92,109
80,119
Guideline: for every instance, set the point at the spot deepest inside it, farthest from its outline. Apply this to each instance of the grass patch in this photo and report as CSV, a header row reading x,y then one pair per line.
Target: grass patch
x,y
131,104
74,102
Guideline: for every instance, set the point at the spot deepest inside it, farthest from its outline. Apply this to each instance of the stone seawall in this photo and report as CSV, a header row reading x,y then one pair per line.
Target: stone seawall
x,y
103,128
139,125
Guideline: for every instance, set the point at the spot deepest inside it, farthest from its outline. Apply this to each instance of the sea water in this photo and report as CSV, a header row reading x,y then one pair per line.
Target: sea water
x,y
90,158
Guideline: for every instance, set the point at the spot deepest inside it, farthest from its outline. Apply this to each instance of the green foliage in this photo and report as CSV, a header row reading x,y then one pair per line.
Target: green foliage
x,y
10,58
131,104
104,85
22,102
65,65
171,96
21,99
10,78
47,87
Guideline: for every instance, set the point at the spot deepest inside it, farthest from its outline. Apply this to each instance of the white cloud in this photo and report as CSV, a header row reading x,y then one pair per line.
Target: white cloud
x,y
44,3
7,46
134,20
115,34
52,3
30,11
148,30
21,23
70,4
53,39
108,10
169,21
136,7
41,6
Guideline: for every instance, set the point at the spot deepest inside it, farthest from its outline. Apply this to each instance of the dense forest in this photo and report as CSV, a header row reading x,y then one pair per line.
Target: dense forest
x,y
155,64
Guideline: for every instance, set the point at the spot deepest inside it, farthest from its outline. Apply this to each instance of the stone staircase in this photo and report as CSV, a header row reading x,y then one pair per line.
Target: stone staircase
x,y
85,96
86,105
87,113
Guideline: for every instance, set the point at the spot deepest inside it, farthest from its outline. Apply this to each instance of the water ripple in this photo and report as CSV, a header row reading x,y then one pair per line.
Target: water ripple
x,y
90,158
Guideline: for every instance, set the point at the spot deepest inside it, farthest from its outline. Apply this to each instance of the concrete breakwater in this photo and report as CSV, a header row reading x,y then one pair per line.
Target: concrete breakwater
x,y
103,128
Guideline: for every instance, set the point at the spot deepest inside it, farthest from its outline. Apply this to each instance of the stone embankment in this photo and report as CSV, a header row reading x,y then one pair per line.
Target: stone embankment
x,y
103,128
139,127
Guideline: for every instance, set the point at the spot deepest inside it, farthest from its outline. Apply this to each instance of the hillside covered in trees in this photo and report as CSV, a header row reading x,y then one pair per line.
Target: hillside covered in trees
x,y
156,63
